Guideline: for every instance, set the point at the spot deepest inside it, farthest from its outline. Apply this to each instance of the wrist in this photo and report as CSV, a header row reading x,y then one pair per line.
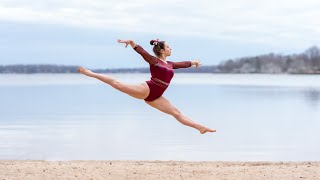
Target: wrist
x,y
133,45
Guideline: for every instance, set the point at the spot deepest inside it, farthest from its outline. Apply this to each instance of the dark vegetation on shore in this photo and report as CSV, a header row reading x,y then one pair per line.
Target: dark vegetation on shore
x,y
307,62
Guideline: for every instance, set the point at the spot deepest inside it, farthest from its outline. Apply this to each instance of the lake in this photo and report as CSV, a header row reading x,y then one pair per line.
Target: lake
x,y
74,117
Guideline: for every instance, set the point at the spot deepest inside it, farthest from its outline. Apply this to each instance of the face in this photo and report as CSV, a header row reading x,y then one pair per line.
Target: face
x,y
167,50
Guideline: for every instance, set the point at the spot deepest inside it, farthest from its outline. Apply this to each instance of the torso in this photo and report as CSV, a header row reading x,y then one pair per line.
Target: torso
x,y
161,75
162,71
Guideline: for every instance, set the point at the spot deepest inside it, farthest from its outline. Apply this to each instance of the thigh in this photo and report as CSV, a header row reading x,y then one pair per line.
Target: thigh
x,y
163,105
140,91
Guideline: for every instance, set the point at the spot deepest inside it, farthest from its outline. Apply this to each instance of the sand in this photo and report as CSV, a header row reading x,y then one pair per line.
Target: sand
x,y
157,170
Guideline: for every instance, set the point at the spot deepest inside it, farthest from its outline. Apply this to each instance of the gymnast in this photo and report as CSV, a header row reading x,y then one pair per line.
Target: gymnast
x,y
151,91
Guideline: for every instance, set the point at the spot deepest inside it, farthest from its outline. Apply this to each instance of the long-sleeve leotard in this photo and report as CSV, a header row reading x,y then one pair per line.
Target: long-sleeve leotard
x,y
161,72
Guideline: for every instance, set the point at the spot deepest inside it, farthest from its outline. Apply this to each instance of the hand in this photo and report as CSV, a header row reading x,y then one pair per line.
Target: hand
x,y
196,63
127,42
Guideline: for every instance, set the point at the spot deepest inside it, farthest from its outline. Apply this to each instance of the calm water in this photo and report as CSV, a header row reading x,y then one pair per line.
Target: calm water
x,y
73,117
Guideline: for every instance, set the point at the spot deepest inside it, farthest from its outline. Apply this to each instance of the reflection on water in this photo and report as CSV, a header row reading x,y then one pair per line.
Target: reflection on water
x,y
313,97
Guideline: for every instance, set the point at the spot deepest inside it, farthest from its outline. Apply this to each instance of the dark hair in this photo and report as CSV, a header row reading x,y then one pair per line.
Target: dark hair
x,y
158,45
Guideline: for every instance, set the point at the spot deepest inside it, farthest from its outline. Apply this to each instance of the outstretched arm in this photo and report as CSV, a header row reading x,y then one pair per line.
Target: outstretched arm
x,y
186,64
146,56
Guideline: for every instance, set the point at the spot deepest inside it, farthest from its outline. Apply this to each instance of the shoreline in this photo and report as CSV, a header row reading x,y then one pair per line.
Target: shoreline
x,y
94,169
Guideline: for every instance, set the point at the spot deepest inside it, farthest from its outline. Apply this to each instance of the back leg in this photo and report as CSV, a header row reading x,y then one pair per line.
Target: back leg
x,y
164,105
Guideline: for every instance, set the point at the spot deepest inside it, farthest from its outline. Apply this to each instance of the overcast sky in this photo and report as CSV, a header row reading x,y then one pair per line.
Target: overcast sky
x,y
84,32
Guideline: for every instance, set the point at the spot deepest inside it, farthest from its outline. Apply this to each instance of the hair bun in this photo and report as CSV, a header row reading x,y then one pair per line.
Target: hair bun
x,y
154,42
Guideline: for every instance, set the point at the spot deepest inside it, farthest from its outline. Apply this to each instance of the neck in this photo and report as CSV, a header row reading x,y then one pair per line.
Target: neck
x,y
162,57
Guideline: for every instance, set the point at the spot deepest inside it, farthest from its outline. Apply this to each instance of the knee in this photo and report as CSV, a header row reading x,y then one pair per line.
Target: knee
x,y
176,113
117,85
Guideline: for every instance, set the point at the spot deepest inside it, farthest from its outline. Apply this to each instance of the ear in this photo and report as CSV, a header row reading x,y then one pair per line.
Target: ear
x,y
161,51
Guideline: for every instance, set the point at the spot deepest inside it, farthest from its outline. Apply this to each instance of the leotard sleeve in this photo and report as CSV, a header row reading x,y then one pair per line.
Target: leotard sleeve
x,y
182,64
146,56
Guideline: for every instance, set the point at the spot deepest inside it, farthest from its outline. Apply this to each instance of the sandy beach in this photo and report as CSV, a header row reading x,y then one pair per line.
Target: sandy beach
x,y
157,170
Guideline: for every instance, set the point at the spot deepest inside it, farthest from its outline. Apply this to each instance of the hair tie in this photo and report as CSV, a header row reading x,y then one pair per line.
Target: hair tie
x,y
155,42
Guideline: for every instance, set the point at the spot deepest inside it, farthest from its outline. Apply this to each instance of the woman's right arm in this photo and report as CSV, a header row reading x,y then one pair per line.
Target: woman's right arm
x,y
146,56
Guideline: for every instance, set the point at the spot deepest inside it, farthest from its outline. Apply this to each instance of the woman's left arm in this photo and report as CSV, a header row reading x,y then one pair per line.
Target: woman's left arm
x,y
186,64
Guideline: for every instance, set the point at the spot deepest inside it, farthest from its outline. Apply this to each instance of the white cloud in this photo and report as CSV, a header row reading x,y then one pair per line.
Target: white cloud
x,y
277,23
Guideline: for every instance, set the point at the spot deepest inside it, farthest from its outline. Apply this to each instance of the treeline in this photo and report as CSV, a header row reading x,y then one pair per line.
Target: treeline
x,y
31,69
307,62
42,68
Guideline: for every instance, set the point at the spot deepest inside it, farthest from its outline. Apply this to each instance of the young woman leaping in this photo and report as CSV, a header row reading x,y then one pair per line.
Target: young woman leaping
x,y
151,91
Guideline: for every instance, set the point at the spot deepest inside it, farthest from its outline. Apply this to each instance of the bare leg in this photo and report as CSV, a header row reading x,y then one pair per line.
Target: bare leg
x,y
140,91
165,106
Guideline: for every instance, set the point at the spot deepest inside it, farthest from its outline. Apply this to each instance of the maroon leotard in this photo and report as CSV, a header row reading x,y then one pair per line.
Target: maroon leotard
x,y
161,73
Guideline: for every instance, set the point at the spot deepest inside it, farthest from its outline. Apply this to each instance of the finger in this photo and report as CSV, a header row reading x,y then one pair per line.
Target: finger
x,y
119,40
127,45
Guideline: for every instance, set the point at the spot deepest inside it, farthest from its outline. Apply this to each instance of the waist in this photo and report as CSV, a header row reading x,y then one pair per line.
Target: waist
x,y
159,82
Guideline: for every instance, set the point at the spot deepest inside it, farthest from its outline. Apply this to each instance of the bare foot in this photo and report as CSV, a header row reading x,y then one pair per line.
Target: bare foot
x,y
205,129
85,71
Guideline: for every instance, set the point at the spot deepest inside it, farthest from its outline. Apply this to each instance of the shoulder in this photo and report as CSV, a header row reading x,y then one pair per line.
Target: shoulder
x,y
171,63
